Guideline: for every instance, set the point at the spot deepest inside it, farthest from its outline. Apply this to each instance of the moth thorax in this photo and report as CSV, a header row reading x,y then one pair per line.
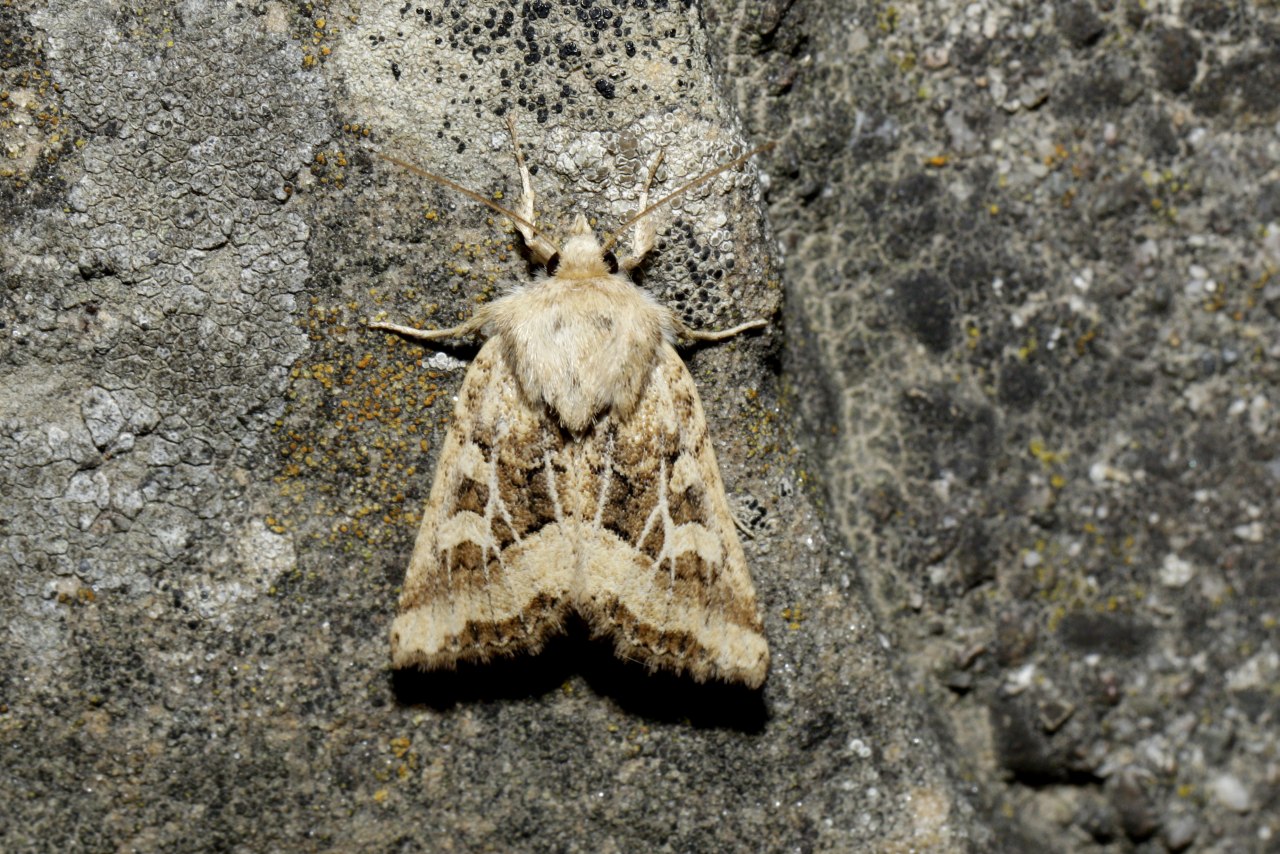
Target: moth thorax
x,y
581,256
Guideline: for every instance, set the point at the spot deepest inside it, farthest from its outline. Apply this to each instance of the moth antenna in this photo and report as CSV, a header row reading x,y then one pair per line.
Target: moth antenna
x,y
684,188
453,185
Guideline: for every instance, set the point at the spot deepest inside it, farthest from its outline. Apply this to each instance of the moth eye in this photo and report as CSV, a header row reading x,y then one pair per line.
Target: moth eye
x,y
553,263
611,261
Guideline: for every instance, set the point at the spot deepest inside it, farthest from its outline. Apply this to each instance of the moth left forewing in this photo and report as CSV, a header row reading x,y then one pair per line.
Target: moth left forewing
x,y
663,572
491,567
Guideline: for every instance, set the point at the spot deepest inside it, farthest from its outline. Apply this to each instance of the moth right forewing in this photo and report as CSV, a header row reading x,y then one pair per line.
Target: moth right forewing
x,y
664,572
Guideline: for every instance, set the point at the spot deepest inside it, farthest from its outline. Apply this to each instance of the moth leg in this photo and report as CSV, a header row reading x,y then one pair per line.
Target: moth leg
x,y
462,330
717,334
541,248
646,227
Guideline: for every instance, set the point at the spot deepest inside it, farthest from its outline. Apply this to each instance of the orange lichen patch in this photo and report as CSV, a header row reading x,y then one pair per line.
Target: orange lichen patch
x,y
794,617
314,30
354,438
330,167
1059,155
32,131
763,439
1084,340
1048,457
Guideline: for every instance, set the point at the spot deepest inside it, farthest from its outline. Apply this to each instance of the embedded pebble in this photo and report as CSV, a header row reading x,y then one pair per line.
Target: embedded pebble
x,y
1179,832
102,416
1230,792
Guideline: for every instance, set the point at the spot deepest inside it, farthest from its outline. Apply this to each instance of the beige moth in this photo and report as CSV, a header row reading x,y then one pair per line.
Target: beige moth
x,y
578,475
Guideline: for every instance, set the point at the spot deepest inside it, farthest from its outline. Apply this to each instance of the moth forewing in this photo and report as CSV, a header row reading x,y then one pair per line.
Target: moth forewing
x,y
578,477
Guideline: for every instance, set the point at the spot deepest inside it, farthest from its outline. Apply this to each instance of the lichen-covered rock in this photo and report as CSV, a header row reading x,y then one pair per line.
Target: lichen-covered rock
x,y
213,469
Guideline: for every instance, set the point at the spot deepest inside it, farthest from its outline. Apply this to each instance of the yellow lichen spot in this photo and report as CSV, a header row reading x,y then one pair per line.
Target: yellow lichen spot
x,y
794,617
1043,454
993,209
381,796
938,161
400,746
365,361
887,19
320,23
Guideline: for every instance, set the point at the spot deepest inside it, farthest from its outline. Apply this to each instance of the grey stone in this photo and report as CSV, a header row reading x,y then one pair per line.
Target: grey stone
x,y
102,416
221,469
1026,353
1179,832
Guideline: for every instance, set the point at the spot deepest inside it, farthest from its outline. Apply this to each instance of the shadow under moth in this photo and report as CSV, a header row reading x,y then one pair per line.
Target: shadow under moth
x,y
578,475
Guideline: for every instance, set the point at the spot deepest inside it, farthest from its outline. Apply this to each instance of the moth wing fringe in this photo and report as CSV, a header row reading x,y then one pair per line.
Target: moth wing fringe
x,y
465,649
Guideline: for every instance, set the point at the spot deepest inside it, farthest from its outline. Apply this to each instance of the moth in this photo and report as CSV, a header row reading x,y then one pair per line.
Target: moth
x,y
578,475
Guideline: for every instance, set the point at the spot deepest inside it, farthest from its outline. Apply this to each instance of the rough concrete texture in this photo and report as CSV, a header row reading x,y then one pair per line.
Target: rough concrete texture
x,y
213,472
1030,252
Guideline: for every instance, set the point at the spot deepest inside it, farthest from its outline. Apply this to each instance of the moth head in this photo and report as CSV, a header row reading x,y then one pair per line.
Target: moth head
x,y
581,256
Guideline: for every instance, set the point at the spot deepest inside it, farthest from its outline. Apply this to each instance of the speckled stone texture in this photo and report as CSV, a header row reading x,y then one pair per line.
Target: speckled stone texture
x,y
1031,255
213,471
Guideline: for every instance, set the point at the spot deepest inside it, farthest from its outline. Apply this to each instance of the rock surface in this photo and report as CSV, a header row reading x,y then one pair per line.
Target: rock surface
x,y
1009,450
214,471
1034,335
